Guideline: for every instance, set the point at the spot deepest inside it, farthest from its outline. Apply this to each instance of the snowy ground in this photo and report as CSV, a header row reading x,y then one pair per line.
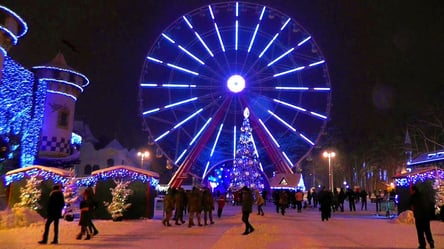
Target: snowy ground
x,y
361,229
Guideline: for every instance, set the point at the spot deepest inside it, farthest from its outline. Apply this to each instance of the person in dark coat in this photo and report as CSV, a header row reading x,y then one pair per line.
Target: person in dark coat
x,y
168,207
341,199
423,209
92,203
207,206
351,199
247,208
325,198
180,205
56,202
85,217
194,207
363,196
220,204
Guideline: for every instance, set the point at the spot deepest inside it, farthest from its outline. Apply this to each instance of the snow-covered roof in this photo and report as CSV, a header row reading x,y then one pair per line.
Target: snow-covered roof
x,y
285,181
125,167
44,168
55,174
59,61
428,157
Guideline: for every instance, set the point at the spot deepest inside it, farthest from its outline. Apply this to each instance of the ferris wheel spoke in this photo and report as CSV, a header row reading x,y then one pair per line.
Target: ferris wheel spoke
x,y
302,110
288,52
282,121
204,44
213,148
299,68
274,38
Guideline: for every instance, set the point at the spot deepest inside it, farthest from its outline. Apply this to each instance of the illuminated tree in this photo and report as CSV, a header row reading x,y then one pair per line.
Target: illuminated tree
x,y
119,203
30,194
246,171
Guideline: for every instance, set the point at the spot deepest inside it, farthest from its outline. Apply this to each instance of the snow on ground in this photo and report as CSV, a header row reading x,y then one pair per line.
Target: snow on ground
x,y
361,229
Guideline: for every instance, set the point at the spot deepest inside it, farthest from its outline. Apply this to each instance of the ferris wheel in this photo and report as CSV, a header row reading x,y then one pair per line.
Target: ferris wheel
x,y
212,63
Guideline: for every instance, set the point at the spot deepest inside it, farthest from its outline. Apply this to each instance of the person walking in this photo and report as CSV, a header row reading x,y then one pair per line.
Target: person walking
x,y
325,198
84,217
299,197
283,201
363,196
220,204
247,208
194,207
208,206
351,199
56,202
423,209
168,207
275,196
259,202
180,206
341,199
93,204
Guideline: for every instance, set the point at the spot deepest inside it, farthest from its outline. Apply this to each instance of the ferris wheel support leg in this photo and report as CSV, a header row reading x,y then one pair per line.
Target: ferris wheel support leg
x,y
180,174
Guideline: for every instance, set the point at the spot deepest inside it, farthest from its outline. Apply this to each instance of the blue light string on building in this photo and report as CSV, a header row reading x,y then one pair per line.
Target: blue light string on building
x,y
21,108
419,177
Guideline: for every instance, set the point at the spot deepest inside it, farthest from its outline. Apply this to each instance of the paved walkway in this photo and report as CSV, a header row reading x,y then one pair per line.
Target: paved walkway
x,y
361,229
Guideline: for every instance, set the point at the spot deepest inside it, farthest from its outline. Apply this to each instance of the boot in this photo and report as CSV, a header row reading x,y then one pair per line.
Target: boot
x,y
79,236
88,237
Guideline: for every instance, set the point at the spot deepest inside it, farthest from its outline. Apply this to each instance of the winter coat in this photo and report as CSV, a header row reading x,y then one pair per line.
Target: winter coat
x,y
247,201
422,206
195,201
299,196
180,199
207,200
259,199
56,203
168,202
84,213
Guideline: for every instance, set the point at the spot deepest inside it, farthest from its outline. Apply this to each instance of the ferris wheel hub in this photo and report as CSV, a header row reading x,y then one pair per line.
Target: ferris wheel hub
x,y
236,83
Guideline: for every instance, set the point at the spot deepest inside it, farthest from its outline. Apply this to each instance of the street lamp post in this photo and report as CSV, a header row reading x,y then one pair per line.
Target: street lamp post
x,y
142,156
330,155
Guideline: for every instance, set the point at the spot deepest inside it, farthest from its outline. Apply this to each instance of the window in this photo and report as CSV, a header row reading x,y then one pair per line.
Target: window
x,y
110,162
96,167
63,118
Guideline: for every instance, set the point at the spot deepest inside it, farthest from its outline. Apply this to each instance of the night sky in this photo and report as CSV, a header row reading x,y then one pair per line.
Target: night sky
x,y
384,57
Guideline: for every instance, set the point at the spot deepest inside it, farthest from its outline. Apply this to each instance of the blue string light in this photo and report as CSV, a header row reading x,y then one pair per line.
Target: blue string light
x,y
38,173
21,108
122,173
413,178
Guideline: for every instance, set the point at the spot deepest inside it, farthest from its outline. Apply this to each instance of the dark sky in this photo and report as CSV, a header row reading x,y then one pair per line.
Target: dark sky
x,y
384,57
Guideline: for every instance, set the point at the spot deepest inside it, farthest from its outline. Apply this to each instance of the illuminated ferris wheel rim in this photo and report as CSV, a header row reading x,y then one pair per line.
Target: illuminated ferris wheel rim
x,y
207,74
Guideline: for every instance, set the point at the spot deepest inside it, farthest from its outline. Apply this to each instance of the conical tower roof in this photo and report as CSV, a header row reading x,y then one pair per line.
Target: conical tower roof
x,y
60,62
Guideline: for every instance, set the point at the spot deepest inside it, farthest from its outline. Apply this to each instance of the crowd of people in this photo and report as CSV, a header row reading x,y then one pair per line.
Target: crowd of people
x,y
54,208
198,201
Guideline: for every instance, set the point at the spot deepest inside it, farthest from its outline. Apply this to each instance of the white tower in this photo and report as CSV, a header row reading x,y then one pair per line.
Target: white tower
x,y
64,85
12,27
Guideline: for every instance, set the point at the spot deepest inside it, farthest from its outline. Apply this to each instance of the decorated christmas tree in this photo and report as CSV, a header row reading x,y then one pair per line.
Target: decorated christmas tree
x,y
246,171
30,194
71,196
119,203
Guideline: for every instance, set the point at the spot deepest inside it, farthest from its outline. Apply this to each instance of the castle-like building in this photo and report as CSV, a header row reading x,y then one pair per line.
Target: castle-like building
x,y
37,104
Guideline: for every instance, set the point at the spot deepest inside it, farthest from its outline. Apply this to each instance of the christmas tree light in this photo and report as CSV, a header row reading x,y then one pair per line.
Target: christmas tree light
x,y
246,171
119,203
30,194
